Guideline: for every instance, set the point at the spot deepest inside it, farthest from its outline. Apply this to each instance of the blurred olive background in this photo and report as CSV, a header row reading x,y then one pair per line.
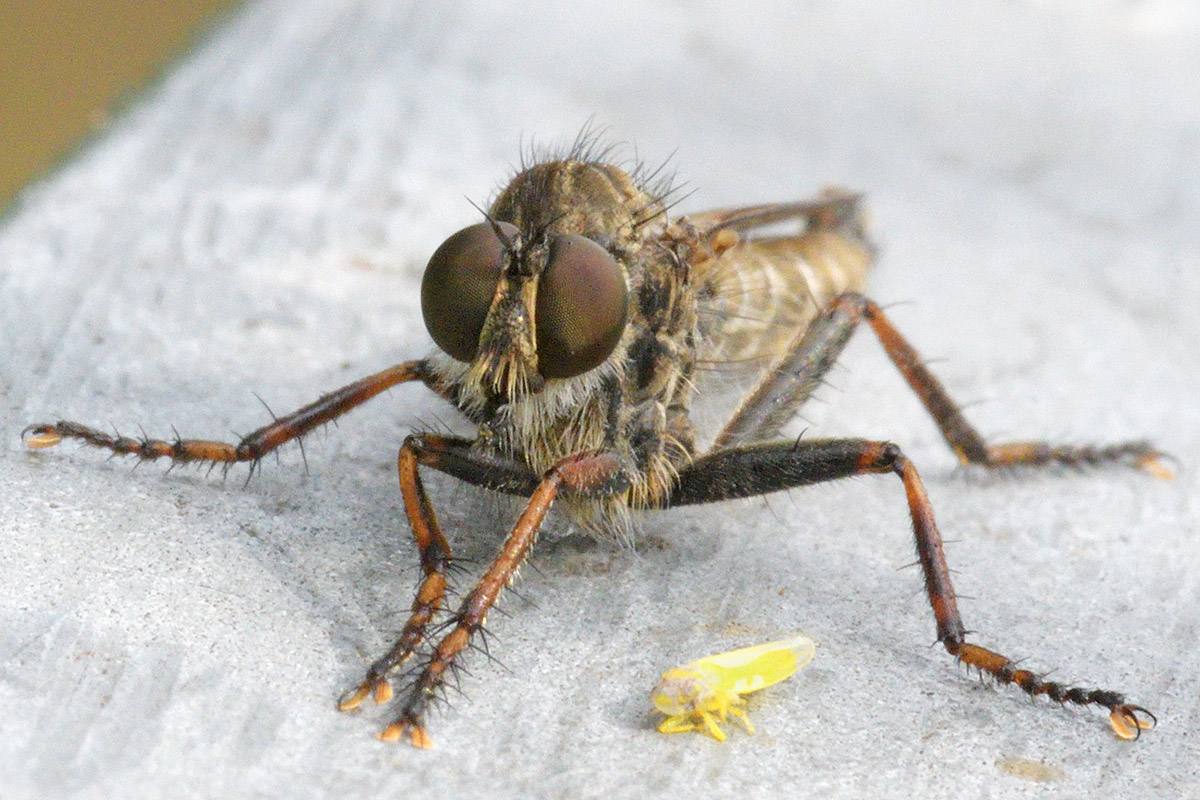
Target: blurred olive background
x,y
65,65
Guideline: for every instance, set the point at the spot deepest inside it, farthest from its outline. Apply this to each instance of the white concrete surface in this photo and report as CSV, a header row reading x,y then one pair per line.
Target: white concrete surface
x,y
259,223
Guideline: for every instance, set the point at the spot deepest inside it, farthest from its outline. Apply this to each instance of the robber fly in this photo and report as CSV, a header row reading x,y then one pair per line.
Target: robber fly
x,y
574,321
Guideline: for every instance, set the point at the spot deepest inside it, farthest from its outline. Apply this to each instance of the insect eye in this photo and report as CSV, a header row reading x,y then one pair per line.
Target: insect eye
x,y
582,306
459,285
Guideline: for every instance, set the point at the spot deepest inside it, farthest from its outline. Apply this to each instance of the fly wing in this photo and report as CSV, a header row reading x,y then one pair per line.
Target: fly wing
x,y
752,668
760,293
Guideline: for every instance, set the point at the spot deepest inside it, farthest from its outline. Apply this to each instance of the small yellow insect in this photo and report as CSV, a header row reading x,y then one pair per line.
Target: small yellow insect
x,y
698,695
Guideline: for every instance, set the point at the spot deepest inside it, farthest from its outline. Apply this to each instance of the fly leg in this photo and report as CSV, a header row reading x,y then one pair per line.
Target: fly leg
x,y
452,455
253,446
832,209
774,401
435,557
758,469
596,474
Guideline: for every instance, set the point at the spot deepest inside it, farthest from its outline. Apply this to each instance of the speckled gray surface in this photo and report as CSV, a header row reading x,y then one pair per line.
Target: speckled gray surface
x,y
259,223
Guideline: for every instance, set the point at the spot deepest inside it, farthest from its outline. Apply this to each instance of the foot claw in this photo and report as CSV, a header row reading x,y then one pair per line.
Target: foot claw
x,y
1153,464
379,689
419,738
1127,725
416,734
391,733
39,437
355,698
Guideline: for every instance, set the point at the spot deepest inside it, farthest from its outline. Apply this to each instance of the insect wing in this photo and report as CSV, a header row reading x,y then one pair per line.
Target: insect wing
x,y
760,292
752,668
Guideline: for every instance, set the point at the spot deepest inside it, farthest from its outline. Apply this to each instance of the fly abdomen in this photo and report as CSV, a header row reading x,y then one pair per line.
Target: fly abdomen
x,y
766,291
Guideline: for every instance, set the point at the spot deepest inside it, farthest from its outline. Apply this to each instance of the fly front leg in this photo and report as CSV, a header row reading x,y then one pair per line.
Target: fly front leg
x,y
777,397
253,446
453,455
435,557
764,468
594,474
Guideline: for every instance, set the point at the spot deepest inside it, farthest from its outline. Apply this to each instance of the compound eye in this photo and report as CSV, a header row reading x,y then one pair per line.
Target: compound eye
x,y
582,306
459,285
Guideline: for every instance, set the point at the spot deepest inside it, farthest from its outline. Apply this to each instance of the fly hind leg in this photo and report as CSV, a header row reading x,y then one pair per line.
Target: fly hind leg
x,y
752,470
774,401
